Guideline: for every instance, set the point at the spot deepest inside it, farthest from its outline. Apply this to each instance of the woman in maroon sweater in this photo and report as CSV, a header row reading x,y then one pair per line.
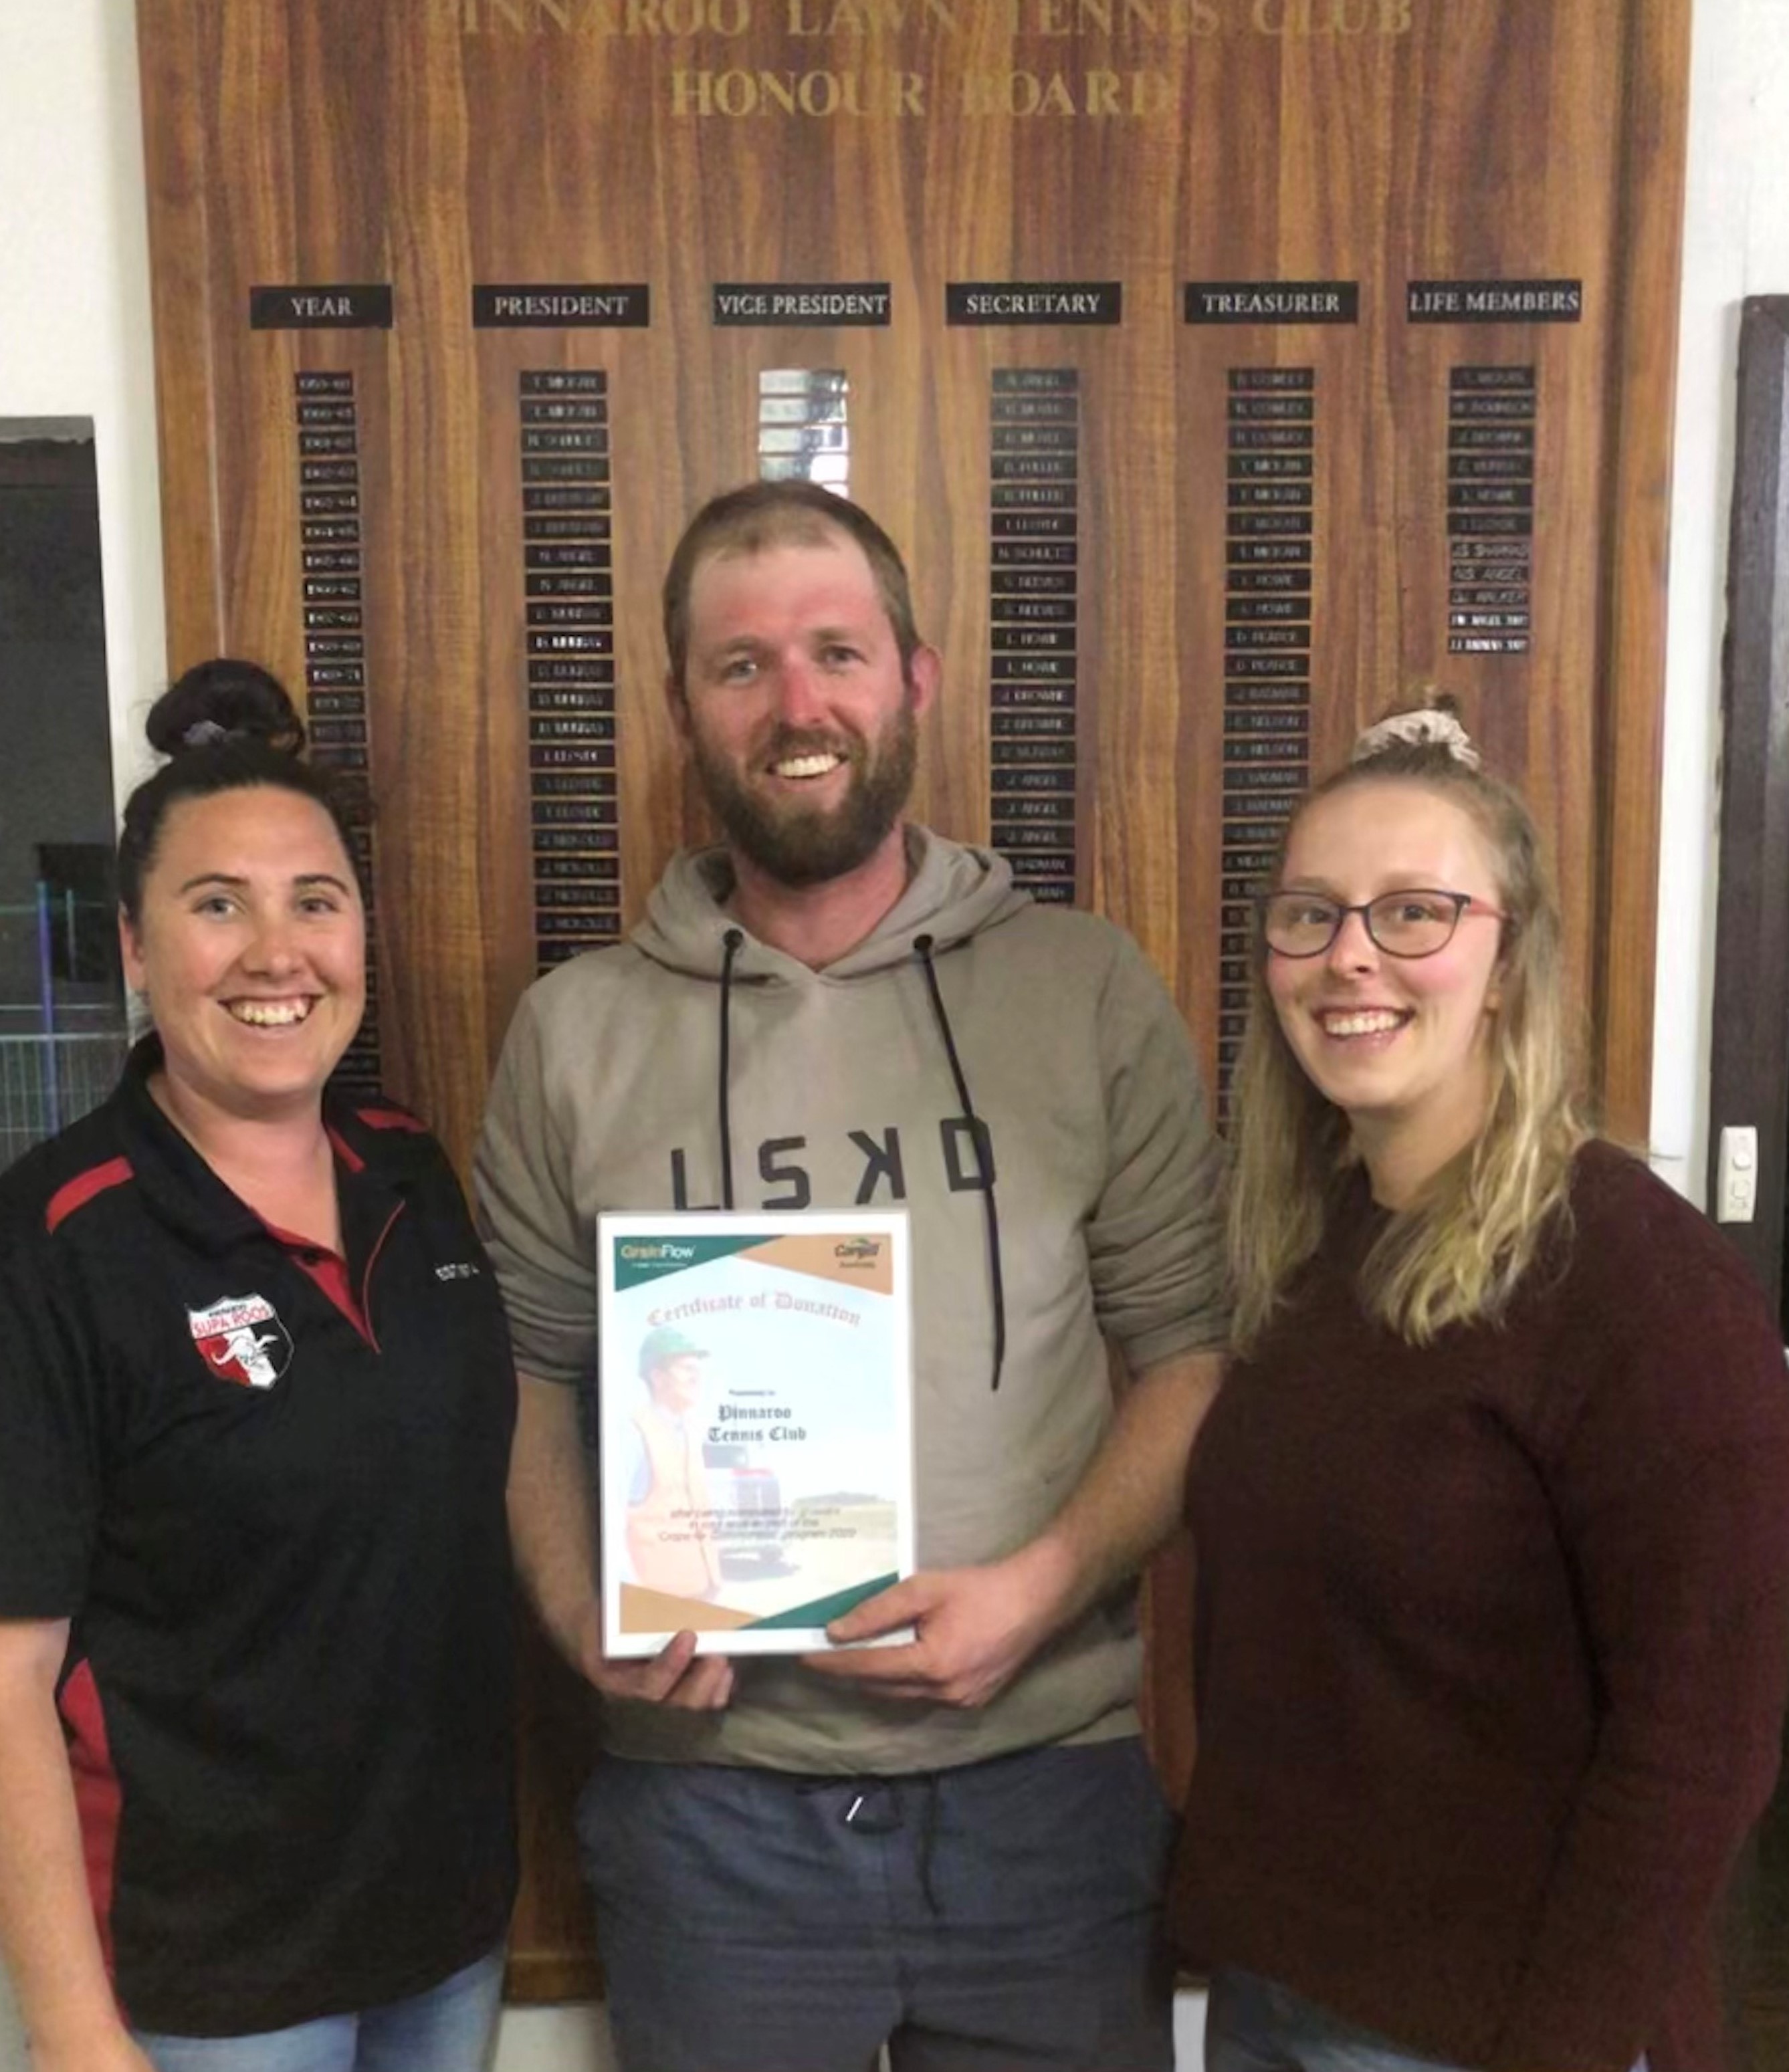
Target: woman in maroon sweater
x,y
1492,1514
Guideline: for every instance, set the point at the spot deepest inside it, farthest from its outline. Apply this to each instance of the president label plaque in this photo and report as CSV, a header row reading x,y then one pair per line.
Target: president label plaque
x,y
568,593
590,306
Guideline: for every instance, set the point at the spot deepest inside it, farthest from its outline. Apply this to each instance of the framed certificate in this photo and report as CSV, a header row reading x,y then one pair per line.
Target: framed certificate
x,y
756,1427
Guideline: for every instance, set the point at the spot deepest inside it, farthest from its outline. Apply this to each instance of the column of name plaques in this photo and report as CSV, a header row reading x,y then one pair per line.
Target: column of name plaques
x,y
1034,428
335,635
1491,429
803,429
1269,527
568,578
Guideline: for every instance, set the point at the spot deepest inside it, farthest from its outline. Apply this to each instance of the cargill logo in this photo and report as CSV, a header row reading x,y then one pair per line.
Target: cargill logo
x,y
857,1251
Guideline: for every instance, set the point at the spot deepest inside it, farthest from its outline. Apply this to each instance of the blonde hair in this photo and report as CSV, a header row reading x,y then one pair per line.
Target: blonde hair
x,y
1456,1254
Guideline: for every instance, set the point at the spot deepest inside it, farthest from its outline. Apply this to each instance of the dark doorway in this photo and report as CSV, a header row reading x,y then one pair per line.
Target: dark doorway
x,y
61,1009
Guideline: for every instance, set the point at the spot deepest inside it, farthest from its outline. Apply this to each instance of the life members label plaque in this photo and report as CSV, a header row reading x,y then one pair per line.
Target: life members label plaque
x,y
1034,443
1269,557
331,588
1494,302
1492,417
568,606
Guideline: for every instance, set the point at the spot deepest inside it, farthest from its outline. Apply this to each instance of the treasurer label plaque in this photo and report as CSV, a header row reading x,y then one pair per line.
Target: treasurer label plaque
x,y
1272,302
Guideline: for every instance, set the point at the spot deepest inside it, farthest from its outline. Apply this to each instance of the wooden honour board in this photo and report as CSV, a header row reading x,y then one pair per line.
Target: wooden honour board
x,y
1100,260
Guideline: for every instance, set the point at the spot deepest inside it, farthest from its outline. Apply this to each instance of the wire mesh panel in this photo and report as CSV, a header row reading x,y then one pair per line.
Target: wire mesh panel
x,y
45,1082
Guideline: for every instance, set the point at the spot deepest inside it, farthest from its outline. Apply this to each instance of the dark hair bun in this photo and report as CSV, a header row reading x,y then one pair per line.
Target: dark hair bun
x,y
224,700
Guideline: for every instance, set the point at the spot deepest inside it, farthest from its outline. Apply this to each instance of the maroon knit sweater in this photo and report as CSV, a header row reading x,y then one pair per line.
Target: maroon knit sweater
x,y
1492,1643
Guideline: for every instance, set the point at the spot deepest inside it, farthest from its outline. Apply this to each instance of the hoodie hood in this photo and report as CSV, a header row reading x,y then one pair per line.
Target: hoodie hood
x,y
952,893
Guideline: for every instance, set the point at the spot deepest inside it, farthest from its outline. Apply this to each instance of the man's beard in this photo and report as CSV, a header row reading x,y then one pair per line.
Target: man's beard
x,y
801,845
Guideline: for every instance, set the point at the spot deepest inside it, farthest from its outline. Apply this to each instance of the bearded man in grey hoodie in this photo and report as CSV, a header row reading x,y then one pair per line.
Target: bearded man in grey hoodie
x,y
951,1844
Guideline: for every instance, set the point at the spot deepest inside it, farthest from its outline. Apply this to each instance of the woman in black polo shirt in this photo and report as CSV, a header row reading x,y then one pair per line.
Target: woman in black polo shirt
x,y
255,1407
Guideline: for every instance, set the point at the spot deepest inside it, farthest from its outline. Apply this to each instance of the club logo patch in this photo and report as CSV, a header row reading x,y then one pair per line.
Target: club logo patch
x,y
242,1339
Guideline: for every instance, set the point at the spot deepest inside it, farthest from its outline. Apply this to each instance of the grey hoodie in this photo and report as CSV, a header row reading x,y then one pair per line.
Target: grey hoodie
x,y
840,1093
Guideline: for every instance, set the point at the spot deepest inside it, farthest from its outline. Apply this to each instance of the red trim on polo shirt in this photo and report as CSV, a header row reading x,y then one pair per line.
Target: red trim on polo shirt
x,y
99,1796
390,1118
77,1193
329,1270
345,1151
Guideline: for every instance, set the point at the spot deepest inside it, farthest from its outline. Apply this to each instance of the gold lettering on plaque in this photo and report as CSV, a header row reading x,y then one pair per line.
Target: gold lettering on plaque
x,y
604,17
864,18
821,94
1097,92
1332,18
1176,18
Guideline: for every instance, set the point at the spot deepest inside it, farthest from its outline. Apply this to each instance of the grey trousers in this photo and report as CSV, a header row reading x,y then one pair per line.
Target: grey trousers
x,y
996,1917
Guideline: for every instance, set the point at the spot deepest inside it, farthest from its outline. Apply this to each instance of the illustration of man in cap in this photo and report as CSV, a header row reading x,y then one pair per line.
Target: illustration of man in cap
x,y
670,1540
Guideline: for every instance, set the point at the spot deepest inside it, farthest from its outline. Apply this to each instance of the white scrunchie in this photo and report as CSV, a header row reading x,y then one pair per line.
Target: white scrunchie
x,y
202,733
1427,728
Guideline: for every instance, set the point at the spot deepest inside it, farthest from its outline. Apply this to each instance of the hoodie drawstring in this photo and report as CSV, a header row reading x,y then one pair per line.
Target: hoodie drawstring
x,y
733,941
878,1806
984,1153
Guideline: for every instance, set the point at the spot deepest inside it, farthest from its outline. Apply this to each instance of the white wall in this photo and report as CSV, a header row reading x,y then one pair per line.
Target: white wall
x,y
74,301
74,341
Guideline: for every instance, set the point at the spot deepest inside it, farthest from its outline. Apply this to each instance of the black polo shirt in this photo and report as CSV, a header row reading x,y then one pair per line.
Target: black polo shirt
x,y
267,1488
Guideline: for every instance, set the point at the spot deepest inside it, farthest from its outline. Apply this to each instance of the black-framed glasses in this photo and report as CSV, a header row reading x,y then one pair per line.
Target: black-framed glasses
x,y
1414,922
